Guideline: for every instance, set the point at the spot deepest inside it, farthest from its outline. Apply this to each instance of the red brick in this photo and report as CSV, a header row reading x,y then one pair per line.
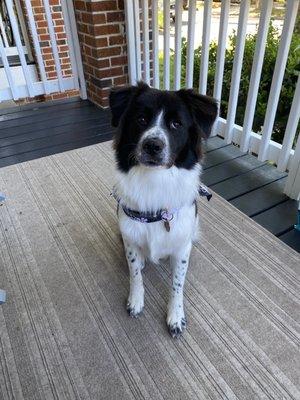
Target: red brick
x,y
58,96
45,37
38,10
115,16
99,18
58,22
106,29
57,15
36,3
42,24
87,18
39,17
120,80
80,5
102,6
59,29
118,60
107,73
110,51
113,40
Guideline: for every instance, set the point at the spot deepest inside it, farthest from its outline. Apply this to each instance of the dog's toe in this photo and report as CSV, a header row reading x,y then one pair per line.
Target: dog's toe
x,y
176,329
133,310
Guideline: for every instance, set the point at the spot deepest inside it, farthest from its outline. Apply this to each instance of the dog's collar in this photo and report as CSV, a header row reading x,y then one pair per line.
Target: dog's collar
x,y
161,215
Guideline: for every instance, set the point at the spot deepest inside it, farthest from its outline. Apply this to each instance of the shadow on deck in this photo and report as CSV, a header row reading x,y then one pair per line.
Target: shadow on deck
x,y
254,187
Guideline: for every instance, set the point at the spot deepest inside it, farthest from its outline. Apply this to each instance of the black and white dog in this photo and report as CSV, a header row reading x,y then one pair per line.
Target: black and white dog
x,y
158,154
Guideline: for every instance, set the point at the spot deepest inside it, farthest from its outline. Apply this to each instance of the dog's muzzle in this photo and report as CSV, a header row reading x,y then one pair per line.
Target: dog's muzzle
x,y
153,151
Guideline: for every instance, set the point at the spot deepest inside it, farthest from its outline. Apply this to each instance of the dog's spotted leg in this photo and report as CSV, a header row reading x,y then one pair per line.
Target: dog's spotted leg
x,y
175,318
136,262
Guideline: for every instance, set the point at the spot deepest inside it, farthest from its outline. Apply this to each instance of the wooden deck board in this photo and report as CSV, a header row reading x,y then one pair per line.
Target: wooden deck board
x,y
239,185
280,218
229,169
261,199
292,239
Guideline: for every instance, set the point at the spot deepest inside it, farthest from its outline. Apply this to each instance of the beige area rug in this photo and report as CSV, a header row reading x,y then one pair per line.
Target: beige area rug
x,y
64,331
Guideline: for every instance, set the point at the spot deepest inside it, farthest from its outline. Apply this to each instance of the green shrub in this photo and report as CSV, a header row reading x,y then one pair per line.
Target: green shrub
x,y
288,87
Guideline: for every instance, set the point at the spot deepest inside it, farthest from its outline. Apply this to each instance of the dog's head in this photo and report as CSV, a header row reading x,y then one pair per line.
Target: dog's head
x,y
160,128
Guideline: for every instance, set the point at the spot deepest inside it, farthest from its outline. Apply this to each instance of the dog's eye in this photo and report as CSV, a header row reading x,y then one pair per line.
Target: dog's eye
x,y
142,120
175,124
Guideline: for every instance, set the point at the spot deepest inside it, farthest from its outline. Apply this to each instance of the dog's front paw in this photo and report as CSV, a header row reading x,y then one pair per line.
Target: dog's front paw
x,y
135,306
176,329
176,321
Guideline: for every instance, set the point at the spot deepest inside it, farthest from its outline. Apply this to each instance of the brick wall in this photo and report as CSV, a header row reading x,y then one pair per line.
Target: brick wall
x,y
101,30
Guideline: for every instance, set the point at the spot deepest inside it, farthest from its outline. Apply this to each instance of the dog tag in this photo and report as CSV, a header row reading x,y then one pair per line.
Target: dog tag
x,y
167,225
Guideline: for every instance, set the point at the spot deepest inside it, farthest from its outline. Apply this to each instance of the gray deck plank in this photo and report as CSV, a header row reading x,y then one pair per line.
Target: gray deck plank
x,y
34,111
38,106
229,169
56,130
220,156
214,143
61,119
262,198
65,137
279,218
44,119
292,239
54,148
239,185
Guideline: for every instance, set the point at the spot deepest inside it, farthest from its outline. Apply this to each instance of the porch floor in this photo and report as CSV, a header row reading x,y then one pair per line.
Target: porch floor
x,y
64,331
255,188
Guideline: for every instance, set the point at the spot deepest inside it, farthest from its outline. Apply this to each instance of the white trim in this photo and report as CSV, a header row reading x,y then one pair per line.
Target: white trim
x,y
261,41
178,35
205,46
36,44
255,141
190,43
145,25
237,69
13,92
13,51
281,60
137,39
224,17
155,44
38,88
291,129
23,29
130,32
74,46
167,44
292,187
16,32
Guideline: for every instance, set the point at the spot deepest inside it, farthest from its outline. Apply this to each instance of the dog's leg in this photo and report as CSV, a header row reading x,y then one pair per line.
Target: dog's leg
x,y
175,319
136,262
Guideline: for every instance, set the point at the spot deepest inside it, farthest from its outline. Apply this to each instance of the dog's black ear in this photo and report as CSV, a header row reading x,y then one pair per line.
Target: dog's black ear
x,y
204,109
119,99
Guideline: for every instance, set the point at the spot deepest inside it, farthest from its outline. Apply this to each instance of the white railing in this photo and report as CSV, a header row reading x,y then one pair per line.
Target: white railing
x,y
31,79
258,143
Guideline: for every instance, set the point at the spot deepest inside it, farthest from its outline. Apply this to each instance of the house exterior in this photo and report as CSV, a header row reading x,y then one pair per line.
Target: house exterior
x,y
61,40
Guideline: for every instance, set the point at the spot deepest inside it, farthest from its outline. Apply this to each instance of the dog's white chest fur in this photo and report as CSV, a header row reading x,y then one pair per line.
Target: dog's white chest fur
x,y
152,189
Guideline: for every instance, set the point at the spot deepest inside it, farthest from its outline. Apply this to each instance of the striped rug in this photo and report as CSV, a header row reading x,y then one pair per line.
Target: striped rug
x,y
64,331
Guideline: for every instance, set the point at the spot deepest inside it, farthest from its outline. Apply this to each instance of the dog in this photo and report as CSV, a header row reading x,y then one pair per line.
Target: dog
x,y
158,150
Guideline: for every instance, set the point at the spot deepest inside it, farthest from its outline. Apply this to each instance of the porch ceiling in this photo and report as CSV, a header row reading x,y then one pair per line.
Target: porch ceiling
x,y
64,331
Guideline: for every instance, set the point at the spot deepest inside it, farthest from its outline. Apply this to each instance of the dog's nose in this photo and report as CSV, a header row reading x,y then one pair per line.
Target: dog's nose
x,y
153,146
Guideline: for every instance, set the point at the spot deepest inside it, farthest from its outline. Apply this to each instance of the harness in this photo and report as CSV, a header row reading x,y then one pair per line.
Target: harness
x,y
164,215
